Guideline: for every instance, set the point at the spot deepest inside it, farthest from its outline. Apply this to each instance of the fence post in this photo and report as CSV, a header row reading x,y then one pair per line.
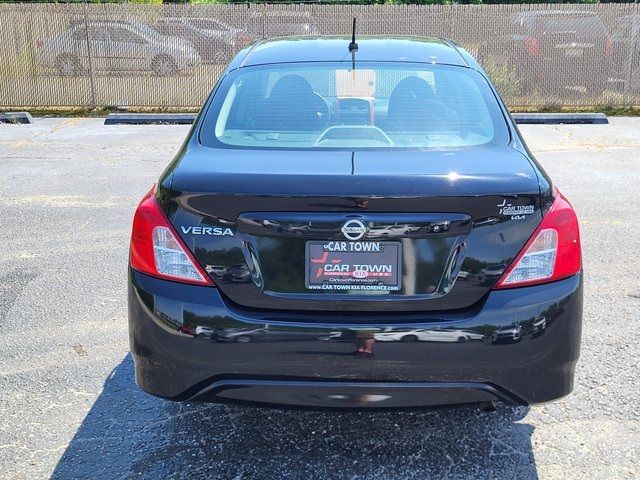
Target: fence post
x,y
94,103
635,31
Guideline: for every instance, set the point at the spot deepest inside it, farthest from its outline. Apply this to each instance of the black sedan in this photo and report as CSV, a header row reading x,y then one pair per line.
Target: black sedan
x,y
304,152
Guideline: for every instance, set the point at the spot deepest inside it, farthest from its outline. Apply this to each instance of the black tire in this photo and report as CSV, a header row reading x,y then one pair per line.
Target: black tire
x,y
164,66
201,335
68,65
409,338
243,339
461,339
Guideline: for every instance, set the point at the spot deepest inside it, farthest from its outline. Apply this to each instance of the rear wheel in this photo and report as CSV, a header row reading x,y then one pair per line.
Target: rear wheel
x,y
163,66
68,65
243,339
461,339
409,338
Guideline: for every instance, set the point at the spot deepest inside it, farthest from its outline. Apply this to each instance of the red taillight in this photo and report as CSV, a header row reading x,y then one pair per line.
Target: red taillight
x,y
533,45
242,40
553,251
156,248
609,46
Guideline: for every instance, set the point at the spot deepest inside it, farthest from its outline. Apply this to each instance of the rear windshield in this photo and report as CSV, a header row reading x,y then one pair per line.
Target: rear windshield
x,y
549,24
323,105
580,26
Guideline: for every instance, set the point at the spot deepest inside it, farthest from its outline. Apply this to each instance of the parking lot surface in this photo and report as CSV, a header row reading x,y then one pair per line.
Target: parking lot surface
x,y
69,405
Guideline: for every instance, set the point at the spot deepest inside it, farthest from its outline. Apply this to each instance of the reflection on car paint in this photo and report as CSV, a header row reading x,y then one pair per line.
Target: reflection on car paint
x,y
201,322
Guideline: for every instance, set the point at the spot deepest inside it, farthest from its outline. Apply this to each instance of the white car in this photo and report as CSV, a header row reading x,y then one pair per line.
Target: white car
x,y
217,271
436,335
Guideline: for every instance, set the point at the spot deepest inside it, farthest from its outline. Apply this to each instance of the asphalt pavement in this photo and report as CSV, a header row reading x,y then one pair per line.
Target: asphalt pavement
x,y
69,407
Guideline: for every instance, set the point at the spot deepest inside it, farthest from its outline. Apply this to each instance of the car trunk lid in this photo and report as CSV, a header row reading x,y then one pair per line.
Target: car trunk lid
x,y
439,226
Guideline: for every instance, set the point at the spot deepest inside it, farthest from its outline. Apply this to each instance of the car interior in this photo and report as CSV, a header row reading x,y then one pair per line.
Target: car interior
x,y
325,107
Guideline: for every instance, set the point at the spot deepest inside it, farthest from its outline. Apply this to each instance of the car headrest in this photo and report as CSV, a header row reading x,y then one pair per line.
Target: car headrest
x,y
291,86
409,103
293,105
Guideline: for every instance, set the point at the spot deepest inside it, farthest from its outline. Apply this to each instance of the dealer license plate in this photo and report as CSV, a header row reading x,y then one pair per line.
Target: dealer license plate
x,y
353,266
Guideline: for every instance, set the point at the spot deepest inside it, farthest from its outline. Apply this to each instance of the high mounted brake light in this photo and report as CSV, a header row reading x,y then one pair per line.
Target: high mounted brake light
x,y
553,251
156,248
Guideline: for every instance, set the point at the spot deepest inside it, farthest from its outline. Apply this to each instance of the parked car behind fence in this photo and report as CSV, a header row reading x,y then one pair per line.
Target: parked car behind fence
x,y
214,40
570,48
114,47
280,24
559,56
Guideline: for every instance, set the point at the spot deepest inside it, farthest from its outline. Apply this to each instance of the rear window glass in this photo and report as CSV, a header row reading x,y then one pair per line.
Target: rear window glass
x,y
547,23
580,26
316,106
206,24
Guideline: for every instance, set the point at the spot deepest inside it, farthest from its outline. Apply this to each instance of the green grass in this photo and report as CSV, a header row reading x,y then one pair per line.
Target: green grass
x,y
504,78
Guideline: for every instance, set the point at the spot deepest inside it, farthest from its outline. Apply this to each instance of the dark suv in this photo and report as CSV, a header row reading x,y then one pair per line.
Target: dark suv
x,y
550,50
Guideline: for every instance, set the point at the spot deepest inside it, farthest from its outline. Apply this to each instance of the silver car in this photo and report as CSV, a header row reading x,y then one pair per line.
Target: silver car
x,y
116,46
214,40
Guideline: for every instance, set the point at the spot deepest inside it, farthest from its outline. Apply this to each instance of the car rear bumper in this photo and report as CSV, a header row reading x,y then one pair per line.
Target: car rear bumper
x,y
300,360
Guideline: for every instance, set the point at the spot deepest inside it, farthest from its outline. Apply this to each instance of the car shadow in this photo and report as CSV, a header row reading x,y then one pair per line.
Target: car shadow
x,y
129,434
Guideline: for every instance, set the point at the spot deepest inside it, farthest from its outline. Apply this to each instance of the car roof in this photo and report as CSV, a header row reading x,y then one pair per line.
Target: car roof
x,y
188,19
557,13
119,23
335,49
112,23
282,14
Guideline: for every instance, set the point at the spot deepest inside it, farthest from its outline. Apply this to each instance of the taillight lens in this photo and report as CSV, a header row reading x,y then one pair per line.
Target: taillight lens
x,y
553,251
156,249
533,45
242,40
609,46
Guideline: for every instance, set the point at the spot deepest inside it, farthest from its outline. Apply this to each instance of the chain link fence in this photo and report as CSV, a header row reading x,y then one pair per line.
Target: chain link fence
x,y
128,55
